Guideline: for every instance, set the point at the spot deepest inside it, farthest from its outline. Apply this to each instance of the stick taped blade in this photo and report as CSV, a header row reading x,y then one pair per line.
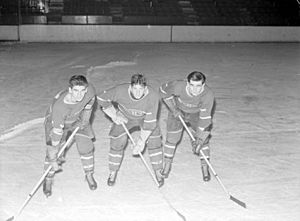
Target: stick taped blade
x,y
10,219
242,204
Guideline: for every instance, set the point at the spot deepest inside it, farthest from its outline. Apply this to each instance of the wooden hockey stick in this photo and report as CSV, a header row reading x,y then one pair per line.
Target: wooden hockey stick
x,y
36,187
153,176
141,156
240,203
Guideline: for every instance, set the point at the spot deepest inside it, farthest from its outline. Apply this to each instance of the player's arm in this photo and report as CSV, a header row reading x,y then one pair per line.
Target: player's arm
x,y
149,124
105,100
58,125
86,113
205,118
167,92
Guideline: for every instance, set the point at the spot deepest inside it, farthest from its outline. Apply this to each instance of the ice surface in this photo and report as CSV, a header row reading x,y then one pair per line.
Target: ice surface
x,y
255,144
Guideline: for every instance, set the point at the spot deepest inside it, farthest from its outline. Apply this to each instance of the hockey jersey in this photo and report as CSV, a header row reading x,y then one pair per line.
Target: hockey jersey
x,y
144,109
188,103
61,114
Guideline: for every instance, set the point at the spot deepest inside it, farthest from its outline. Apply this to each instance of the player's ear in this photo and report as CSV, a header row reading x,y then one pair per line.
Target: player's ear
x,y
70,90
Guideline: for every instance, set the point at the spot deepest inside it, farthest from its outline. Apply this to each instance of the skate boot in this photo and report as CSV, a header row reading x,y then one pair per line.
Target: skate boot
x,y
112,178
91,181
167,168
159,178
47,186
205,173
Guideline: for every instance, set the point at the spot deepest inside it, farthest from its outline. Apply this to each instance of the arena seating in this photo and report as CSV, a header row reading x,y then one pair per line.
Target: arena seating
x,y
153,12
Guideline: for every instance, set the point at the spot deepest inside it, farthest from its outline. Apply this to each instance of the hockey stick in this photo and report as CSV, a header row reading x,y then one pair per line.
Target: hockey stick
x,y
140,154
36,187
152,175
240,203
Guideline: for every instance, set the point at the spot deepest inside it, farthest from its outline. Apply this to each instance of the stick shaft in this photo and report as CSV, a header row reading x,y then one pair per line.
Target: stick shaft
x,y
212,169
140,154
205,158
30,195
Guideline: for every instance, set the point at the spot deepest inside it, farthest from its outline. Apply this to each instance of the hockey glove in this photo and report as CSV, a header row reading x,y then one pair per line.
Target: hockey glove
x,y
52,157
116,116
199,142
82,125
138,147
120,118
141,142
171,103
176,113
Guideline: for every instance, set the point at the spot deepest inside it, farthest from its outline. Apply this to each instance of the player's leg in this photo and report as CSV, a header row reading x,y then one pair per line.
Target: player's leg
x,y
85,149
174,133
154,146
194,118
50,159
118,141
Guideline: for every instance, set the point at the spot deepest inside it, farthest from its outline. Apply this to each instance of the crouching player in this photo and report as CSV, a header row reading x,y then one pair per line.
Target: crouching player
x,y
193,100
133,104
71,108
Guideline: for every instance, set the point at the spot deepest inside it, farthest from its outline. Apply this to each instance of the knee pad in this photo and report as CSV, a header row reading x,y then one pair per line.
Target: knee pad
x,y
118,143
84,144
173,137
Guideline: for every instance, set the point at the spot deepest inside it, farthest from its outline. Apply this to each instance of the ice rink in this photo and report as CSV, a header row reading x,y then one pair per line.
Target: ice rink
x,y
255,145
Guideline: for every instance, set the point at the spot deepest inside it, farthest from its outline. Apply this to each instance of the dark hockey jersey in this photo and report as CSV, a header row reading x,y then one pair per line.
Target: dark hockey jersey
x,y
61,113
188,103
145,108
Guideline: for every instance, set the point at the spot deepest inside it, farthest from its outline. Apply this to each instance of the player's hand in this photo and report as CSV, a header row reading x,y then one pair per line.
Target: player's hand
x,y
120,118
200,140
55,166
176,113
138,147
80,124
197,145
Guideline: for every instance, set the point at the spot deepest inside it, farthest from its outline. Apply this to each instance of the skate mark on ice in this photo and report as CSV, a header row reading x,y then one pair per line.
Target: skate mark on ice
x,y
19,128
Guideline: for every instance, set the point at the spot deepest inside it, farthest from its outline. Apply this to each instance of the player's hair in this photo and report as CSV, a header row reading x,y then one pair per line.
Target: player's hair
x,y
196,76
78,80
138,79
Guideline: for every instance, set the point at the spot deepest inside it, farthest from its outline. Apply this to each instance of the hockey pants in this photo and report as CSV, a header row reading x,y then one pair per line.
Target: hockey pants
x,y
119,140
174,135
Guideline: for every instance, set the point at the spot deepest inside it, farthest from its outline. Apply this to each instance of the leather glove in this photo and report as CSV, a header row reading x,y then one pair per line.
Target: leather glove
x,y
176,112
119,118
171,103
52,157
199,142
79,124
141,142
138,147
197,145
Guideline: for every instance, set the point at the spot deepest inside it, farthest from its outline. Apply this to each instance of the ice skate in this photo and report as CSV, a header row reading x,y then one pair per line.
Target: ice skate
x,y
205,173
91,181
47,186
159,178
166,170
112,178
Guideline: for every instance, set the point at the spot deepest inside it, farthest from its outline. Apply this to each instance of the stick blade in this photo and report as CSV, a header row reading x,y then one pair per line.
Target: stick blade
x,y
10,219
242,204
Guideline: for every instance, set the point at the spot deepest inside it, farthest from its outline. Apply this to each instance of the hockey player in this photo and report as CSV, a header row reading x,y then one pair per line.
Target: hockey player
x,y
134,104
193,100
71,108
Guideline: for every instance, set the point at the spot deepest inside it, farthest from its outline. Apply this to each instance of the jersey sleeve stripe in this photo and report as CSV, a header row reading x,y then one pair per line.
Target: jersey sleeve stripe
x,y
150,121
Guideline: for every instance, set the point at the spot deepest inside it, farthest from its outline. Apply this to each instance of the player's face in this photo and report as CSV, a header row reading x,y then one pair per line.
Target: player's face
x,y
195,87
138,90
77,92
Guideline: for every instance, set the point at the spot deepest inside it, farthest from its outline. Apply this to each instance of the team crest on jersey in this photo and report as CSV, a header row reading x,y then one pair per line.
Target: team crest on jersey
x,y
133,112
186,104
